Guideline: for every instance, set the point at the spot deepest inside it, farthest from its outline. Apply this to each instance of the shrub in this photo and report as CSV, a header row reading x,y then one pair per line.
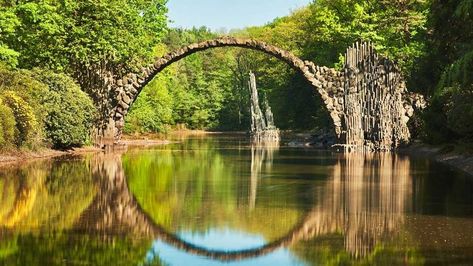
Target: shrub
x,y
460,113
7,126
69,111
25,86
449,116
20,92
44,103
26,124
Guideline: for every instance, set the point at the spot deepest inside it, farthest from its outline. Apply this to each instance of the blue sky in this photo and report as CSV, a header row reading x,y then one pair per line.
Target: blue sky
x,y
229,14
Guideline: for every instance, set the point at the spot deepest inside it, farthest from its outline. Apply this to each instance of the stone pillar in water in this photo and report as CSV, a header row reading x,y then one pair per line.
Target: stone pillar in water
x,y
262,125
258,123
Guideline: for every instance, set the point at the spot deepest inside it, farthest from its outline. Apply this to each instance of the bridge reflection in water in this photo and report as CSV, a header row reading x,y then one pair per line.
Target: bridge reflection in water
x,y
110,209
365,200
365,205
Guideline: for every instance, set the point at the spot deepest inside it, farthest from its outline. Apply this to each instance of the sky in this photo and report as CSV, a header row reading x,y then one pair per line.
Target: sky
x,y
229,14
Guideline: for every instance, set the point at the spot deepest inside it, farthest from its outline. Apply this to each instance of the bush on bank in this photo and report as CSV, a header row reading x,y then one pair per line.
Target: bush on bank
x,y
7,126
39,108
69,110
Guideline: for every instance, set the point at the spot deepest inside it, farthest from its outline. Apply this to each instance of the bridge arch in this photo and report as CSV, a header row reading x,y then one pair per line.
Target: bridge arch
x,y
367,100
326,82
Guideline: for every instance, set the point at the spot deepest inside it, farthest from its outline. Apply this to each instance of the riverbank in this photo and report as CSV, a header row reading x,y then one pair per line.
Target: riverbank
x,y
17,156
13,157
455,159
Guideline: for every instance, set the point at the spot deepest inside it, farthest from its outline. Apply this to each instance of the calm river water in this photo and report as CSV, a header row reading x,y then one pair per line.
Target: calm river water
x,y
219,200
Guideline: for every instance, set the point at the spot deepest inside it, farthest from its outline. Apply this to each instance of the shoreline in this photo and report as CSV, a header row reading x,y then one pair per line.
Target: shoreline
x,y
461,162
17,157
147,140
455,160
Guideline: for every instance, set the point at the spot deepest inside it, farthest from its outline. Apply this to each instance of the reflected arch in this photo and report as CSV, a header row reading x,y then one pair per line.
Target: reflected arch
x,y
116,211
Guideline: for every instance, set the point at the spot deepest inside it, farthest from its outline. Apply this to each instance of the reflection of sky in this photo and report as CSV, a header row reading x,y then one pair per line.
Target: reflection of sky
x,y
221,240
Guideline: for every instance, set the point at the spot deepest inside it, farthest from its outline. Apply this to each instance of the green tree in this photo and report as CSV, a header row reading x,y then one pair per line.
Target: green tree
x,y
8,23
92,41
447,75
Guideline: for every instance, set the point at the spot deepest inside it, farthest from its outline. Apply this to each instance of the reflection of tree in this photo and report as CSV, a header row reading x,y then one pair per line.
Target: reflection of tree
x,y
42,194
18,191
175,184
364,199
38,202
72,249
199,185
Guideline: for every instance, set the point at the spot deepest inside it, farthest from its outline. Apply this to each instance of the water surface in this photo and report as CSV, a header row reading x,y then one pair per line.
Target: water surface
x,y
219,200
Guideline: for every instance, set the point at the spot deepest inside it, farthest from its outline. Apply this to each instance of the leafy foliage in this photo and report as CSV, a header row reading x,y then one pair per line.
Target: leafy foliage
x,y
87,40
74,34
153,110
43,107
69,111
26,122
449,65
20,93
8,23
7,126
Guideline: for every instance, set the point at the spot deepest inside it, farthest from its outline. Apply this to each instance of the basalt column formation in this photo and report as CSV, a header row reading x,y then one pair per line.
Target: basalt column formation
x,y
377,106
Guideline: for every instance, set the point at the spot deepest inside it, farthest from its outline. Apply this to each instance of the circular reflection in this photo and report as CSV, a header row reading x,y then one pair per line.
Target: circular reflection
x,y
226,240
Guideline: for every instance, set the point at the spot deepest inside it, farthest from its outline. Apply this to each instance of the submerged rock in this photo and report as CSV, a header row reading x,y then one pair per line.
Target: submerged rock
x,y
323,139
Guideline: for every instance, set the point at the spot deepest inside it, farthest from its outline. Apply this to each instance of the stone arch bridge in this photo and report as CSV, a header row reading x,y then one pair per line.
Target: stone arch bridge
x,y
367,100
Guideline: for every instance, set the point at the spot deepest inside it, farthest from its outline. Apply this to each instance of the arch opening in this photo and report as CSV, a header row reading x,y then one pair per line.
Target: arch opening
x,y
129,87
367,101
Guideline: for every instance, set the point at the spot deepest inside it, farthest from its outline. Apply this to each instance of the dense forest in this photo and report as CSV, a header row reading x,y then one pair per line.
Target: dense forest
x,y
53,52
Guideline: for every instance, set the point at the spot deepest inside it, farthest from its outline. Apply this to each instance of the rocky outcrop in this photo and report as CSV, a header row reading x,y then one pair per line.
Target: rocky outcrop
x,y
262,124
377,105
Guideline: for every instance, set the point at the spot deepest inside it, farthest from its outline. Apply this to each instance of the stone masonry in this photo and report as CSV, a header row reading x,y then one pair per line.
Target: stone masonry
x,y
367,100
